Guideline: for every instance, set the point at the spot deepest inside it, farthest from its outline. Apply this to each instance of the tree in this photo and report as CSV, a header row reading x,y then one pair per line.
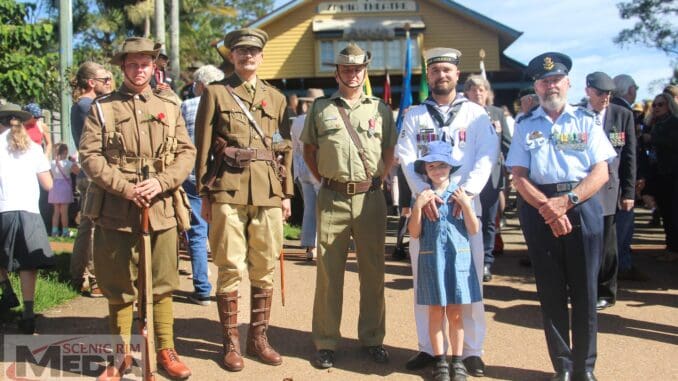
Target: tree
x,y
28,58
656,26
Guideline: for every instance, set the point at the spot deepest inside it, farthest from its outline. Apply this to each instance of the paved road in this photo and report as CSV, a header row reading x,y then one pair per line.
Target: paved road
x,y
638,338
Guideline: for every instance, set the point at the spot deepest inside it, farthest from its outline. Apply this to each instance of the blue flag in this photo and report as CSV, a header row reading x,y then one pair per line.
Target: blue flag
x,y
406,94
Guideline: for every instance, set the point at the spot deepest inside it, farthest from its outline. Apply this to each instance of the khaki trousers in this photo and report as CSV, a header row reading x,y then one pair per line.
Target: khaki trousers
x,y
118,253
245,237
82,264
362,216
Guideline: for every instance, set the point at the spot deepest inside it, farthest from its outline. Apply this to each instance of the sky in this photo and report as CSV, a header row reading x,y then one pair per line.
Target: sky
x,y
582,29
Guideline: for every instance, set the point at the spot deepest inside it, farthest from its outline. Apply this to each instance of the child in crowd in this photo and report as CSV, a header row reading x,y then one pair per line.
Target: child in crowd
x,y
446,275
61,195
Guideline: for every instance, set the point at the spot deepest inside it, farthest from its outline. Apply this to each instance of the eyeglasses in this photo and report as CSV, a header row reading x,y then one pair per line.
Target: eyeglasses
x,y
658,104
104,80
244,50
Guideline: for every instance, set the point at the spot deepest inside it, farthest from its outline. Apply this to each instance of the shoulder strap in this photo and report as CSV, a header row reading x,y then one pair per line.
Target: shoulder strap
x,y
354,136
247,112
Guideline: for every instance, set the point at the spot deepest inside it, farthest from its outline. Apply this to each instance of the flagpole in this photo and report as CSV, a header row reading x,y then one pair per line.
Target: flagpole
x,y
406,93
482,63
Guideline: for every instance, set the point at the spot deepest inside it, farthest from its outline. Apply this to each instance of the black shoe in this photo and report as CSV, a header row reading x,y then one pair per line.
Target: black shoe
x,y
561,376
525,262
419,361
441,371
27,326
378,353
459,371
487,275
586,376
475,366
399,253
8,300
603,304
324,359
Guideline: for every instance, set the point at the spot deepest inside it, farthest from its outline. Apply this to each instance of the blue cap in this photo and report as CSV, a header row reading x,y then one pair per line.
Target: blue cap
x,y
549,64
34,110
436,150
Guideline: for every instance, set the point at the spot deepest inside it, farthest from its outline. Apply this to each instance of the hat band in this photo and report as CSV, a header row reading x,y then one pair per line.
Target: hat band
x,y
451,60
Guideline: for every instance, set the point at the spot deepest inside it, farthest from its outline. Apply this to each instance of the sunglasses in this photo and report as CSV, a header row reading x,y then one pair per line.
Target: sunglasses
x,y
658,104
103,80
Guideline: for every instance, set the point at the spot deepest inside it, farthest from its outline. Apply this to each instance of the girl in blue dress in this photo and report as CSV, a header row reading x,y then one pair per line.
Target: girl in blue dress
x,y
446,275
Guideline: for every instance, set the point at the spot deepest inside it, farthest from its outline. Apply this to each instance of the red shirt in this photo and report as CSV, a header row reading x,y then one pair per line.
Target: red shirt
x,y
34,131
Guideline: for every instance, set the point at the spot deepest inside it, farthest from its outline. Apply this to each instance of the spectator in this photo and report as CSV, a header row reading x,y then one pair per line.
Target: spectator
x,y
61,194
37,130
197,234
664,122
308,184
25,247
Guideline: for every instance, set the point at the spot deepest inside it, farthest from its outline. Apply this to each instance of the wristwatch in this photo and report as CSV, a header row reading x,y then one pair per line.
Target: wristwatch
x,y
574,199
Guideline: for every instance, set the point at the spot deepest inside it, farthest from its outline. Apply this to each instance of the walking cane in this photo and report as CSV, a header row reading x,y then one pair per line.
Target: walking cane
x,y
145,303
282,276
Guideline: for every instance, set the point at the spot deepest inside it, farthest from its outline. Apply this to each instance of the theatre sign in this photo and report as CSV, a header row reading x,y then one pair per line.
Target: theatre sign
x,y
366,6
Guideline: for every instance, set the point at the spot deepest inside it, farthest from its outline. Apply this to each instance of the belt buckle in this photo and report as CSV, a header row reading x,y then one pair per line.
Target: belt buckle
x,y
562,187
350,189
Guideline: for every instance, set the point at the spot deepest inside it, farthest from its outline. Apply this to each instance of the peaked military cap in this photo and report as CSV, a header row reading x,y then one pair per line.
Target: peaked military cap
x,y
136,45
353,55
246,37
436,55
11,109
549,64
601,81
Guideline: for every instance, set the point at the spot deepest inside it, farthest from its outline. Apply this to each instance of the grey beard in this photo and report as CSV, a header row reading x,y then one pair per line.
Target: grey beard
x,y
553,103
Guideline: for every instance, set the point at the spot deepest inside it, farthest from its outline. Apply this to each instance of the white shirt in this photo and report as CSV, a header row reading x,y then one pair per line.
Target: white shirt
x,y
475,155
19,188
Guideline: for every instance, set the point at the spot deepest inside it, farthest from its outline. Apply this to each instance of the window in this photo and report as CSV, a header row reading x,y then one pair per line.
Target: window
x,y
388,54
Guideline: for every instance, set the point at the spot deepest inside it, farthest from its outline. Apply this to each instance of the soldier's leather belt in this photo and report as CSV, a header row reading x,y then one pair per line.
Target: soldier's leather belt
x,y
352,187
241,157
550,189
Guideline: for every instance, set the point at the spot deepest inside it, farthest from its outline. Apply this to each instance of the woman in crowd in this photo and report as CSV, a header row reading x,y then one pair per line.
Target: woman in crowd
x,y
664,123
302,176
61,194
37,129
23,239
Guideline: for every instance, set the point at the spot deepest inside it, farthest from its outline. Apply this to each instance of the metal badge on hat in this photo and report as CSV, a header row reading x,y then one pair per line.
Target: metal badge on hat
x,y
548,64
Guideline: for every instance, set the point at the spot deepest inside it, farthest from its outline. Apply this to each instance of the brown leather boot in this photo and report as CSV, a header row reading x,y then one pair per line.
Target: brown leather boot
x,y
115,372
257,342
228,315
169,360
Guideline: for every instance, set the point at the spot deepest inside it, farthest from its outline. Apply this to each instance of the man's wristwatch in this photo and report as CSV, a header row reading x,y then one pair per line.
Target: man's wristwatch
x,y
574,199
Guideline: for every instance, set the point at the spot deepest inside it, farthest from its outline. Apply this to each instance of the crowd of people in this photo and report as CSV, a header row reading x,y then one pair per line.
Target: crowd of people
x,y
219,165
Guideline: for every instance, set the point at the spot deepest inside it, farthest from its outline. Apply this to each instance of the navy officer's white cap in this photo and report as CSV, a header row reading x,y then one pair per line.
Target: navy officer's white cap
x,y
435,55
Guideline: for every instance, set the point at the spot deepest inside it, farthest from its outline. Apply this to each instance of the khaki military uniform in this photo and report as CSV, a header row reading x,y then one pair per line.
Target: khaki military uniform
x,y
246,226
123,133
340,216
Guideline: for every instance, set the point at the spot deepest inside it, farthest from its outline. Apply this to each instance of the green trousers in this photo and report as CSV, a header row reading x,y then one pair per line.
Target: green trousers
x,y
339,217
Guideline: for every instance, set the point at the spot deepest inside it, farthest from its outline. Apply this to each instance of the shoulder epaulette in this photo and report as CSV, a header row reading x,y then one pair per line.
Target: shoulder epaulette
x,y
103,96
524,116
168,96
586,111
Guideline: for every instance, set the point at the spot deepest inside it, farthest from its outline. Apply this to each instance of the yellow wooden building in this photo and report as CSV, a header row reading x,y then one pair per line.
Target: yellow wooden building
x,y
306,34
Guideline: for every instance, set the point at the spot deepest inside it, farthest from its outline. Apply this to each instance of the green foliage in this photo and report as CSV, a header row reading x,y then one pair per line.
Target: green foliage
x,y
291,231
656,25
28,58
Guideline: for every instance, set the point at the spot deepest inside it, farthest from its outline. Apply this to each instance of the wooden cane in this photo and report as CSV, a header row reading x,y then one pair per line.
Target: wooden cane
x,y
145,303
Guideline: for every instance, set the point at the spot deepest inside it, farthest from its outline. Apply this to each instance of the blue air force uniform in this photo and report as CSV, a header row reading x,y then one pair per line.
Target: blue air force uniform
x,y
558,155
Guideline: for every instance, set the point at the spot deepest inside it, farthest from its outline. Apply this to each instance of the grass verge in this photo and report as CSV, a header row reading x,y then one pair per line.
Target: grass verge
x,y
52,287
291,231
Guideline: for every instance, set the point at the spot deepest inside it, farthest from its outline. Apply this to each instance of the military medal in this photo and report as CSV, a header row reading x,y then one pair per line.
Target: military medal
x,y
574,141
462,138
425,135
277,138
618,139
371,127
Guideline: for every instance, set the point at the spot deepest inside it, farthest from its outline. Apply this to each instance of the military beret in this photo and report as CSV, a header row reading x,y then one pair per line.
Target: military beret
x,y
435,55
246,37
136,45
600,81
353,55
549,64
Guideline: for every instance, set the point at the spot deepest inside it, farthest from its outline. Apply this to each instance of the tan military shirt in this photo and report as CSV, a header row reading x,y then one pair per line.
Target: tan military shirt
x,y
219,114
130,131
337,154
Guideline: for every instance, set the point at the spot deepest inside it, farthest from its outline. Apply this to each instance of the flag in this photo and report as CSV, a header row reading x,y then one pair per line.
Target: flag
x,y
367,87
423,85
406,94
387,89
